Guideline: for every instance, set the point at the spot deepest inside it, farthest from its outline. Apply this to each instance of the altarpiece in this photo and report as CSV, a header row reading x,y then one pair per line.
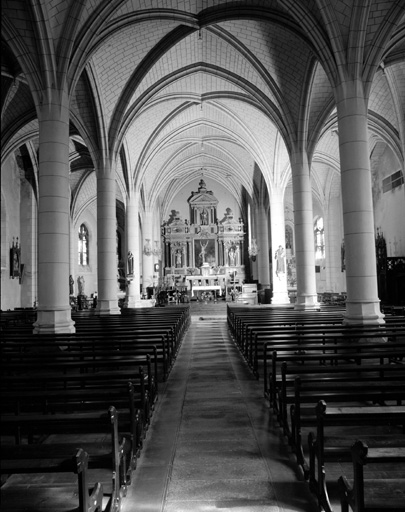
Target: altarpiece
x,y
204,245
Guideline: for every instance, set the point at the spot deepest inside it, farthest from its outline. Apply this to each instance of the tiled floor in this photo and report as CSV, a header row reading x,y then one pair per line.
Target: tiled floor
x,y
213,444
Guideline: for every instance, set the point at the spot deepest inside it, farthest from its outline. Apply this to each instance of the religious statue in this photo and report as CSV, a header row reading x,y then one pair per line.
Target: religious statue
x,y
231,257
81,283
280,263
178,258
204,217
16,264
71,285
130,260
237,255
202,252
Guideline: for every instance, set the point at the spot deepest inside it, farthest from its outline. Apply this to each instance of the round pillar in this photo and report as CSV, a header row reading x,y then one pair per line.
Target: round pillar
x,y
133,297
53,309
362,304
147,259
279,274
263,266
107,301
307,297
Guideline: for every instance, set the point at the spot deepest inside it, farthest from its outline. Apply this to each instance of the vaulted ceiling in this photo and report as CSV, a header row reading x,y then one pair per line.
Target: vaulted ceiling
x,y
169,89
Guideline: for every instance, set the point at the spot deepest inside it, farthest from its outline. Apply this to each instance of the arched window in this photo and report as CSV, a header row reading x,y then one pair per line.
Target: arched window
x,y
83,248
319,235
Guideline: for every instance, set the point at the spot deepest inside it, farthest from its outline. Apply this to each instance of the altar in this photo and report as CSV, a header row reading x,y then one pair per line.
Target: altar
x,y
205,245
206,288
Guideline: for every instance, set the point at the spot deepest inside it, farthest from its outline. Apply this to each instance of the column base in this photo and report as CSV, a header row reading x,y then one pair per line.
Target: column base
x,y
135,302
140,303
280,298
363,313
107,307
54,322
307,303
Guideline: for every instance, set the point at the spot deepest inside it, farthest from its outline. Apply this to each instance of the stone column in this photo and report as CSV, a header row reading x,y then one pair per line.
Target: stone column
x,y
362,305
107,272
252,234
304,232
189,262
147,259
29,237
133,298
279,279
263,266
167,260
333,234
53,311
73,255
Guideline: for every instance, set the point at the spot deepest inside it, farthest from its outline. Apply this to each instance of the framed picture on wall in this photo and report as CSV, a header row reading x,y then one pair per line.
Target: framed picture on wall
x,y
15,261
204,251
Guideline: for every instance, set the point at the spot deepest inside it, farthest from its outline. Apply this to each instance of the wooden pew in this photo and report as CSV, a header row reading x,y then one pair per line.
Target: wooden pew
x,y
344,384
134,322
27,459
17,318
373,495
242,320
302,414
49,388
319,335
134,416
91,345
107,458
330,352
84,377
328,447
252,328
74,369
172,323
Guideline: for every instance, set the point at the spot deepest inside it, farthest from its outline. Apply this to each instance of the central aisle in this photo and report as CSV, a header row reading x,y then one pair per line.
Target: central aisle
x,y
212,445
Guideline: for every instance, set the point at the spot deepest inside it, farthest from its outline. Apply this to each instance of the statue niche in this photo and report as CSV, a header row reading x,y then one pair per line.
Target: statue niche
x,y
203,206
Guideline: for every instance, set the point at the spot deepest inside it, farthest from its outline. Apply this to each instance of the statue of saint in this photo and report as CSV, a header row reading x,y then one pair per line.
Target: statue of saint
x,y
280,263
81,283
204,217
71,285
178,258
231,257
130,263
237,255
